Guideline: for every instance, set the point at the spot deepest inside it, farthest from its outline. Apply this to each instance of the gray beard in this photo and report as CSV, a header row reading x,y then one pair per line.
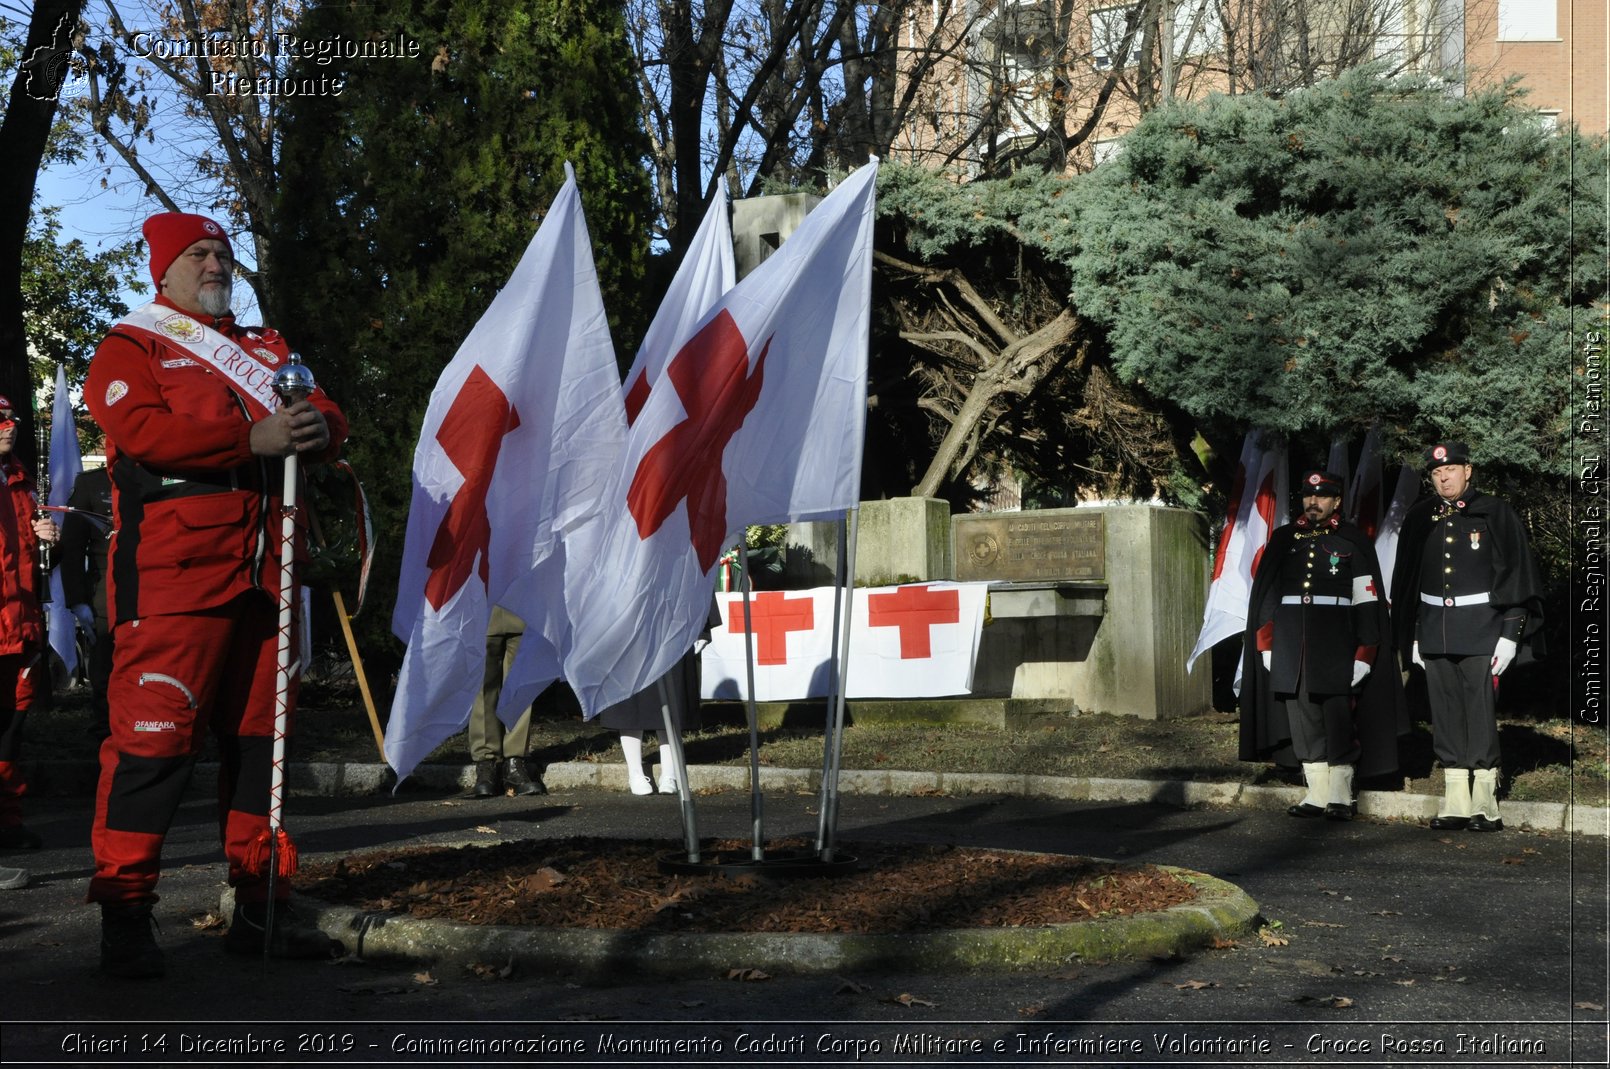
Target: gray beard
x,y
214,302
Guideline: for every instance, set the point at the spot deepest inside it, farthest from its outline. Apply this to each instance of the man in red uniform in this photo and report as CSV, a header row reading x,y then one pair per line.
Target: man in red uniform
x,y
195,439
21,629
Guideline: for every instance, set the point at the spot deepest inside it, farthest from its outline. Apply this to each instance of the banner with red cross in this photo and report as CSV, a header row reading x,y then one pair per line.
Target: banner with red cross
x,y
914,641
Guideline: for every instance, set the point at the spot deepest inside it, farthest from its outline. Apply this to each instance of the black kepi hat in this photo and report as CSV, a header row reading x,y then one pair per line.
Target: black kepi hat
x,y
1447,453
1321,484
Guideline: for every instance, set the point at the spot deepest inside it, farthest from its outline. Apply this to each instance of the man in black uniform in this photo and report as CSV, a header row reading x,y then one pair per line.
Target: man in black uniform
x,y
1314,622
1468,600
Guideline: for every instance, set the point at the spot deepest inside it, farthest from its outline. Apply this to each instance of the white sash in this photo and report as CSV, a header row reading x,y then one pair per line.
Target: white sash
x,y
251,375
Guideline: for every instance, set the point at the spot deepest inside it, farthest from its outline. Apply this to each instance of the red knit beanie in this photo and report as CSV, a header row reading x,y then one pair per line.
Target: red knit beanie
x,y
167,234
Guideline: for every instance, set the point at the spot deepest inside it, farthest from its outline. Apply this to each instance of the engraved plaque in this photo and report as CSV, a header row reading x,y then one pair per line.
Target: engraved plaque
x,y
1030,546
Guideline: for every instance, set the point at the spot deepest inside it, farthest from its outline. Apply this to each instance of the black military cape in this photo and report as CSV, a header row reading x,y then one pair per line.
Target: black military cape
x,y
1380,711
1522,585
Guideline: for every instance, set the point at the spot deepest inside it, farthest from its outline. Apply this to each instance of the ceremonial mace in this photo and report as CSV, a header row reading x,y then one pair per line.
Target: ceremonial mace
x,y
292,383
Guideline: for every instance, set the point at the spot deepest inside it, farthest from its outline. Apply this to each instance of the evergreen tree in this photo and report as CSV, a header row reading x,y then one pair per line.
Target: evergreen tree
x,y
407,199
1366,249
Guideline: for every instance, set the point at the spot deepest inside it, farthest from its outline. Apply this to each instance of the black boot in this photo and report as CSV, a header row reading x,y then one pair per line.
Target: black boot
x,y
18,837
128,949
293,936
486,779
519,779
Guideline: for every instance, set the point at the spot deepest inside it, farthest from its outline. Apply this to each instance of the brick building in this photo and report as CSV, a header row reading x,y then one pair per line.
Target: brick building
x,y
1055,81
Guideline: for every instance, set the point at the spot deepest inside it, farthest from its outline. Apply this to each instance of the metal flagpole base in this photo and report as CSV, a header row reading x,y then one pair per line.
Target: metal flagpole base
x,y
783,864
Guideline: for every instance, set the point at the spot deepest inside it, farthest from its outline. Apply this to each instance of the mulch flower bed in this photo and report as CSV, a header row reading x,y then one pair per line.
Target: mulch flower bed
x,y
614,883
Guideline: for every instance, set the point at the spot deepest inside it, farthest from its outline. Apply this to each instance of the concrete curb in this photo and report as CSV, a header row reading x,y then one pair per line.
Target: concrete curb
x,y
352,778
1221,911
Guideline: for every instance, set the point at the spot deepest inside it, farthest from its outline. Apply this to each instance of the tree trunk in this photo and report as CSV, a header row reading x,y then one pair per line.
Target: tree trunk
x,y
1015,360
24,135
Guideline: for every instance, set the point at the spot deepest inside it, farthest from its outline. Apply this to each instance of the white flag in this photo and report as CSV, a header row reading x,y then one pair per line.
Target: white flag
x,y
1257,506
1364,492
704,276
914,641
517,442
758,418
1386,540
66,464
1337,465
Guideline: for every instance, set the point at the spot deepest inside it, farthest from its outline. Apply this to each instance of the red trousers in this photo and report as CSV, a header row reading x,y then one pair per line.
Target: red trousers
x,y
173,677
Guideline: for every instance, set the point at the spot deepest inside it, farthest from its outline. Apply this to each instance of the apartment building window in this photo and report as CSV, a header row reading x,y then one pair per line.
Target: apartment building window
x,y
1107,38
1197,31
1528,20
1013,61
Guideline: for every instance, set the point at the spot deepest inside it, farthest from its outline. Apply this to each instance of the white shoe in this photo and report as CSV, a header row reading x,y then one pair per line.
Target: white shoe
x,y
632,750
11,879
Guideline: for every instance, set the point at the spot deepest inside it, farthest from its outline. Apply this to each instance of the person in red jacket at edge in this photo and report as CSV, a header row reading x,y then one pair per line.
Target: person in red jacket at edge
x,y
195,441
22,642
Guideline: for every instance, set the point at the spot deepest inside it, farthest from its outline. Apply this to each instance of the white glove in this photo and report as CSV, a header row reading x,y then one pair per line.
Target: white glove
x,y
1360,670
1503,655
1268,660
86,620
1414,654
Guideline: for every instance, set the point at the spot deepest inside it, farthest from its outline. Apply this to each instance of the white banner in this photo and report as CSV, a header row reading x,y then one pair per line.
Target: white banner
x,y
913,641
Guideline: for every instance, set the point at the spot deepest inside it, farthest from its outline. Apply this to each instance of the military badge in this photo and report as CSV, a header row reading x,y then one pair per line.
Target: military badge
x,y
1475,539
115,392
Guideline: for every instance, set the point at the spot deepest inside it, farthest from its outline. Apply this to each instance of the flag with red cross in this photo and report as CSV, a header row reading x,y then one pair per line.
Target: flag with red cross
x,y
704,276
517,442
758,416
1257,506
919,640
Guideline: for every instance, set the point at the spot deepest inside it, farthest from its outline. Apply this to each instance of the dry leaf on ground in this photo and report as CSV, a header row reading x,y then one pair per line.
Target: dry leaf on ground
x,y
904,999
747,975
1335,1002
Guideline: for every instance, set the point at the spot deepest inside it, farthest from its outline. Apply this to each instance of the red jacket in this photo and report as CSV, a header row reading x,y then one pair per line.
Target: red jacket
x,y
20,628
196,514
25,502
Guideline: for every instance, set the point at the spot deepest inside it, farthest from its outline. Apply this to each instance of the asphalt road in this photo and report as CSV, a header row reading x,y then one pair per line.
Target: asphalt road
x,y
1402,946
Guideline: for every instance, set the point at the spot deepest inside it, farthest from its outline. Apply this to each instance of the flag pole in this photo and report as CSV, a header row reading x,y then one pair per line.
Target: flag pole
x,y
832,781
834,675
293,384
358,673
673,742
756,803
